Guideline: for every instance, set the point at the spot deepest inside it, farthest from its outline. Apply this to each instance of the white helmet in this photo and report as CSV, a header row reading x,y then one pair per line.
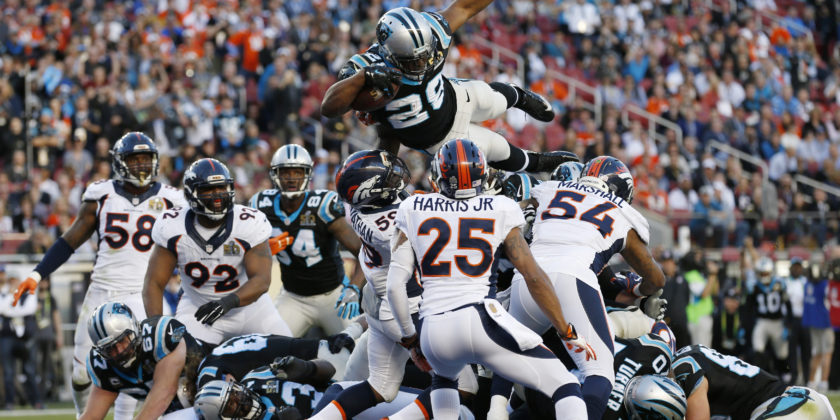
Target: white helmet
x,y
227,400
112,323
291,156
654,397
764,270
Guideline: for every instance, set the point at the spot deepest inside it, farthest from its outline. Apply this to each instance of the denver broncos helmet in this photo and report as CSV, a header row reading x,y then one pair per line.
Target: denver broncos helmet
x,y
371,178
459,169
614,173
137,174
200,182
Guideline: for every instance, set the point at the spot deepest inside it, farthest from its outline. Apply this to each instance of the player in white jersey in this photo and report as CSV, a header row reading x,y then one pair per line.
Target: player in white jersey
x,y
452,236
221,250
121,212
371,183
579,226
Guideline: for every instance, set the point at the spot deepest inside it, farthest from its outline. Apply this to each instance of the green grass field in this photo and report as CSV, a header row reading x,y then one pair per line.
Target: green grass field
x,y
64,411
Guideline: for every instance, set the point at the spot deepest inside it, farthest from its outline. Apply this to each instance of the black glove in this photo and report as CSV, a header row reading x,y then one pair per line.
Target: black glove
x,y
382,78
339,341
292,368
211,311
287,413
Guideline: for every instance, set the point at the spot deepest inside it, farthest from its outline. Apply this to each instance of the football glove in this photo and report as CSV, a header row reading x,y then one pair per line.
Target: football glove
x,y
654,306
211,311
28,285
340,341
413,345
348,303
576,343
280,242
291,367
382,78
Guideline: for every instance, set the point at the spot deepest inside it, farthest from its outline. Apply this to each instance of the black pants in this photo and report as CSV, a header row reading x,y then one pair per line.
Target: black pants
x,y
13,349
799,346
834,377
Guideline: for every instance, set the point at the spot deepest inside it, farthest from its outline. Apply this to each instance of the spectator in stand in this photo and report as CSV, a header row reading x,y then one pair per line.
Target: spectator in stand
x,y
708,224
582,19
783,163
799,340
816,319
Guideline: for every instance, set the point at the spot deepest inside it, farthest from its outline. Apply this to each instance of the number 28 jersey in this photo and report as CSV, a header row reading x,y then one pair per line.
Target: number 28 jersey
x,y
422,113
213,267
454,242
578,228
124,227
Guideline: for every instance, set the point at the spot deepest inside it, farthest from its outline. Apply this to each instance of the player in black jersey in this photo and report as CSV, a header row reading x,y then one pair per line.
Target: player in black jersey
x,y
768,301
312,224
722,385
429,108
145,361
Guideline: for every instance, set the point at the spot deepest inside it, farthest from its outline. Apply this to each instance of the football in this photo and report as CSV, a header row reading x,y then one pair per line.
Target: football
x,y
370,99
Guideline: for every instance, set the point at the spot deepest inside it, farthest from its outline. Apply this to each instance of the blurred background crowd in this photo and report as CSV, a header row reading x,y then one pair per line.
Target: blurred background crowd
x,y
727,112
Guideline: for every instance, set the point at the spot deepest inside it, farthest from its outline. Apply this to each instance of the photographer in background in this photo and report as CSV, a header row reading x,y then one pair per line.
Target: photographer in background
x,y
17,341
48,341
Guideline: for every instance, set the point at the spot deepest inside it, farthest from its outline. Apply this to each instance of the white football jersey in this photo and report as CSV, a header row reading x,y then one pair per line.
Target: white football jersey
x,y
124,227
454,242
375,230
212,268
578,228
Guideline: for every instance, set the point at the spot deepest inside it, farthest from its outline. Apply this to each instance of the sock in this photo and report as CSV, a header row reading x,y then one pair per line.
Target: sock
x,y
352,400
568,402
331,411
124,407
413,411
80,396
508,91
596,390
498,408
517,160
445,403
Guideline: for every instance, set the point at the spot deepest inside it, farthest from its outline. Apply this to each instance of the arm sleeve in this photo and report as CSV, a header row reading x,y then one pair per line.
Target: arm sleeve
x,y
399,273
331,208
168,334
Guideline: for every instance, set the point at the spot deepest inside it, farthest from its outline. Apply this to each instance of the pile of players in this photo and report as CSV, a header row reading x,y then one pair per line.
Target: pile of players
x,y
446,279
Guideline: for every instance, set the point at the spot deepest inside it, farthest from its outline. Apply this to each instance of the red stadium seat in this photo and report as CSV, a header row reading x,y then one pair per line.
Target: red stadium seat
x,y
799,251
730,254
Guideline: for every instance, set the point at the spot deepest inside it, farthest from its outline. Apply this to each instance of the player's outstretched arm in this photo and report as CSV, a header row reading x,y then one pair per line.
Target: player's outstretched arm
x,y
698,402
161,265
80,231
258,266
341,94
638,256
165,383
460,11
98,404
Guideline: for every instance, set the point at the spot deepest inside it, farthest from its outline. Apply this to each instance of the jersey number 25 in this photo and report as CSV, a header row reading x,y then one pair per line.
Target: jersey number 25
x,y
430,267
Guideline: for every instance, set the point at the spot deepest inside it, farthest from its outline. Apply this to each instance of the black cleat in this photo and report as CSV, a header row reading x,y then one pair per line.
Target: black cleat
x,y
534,105
549,161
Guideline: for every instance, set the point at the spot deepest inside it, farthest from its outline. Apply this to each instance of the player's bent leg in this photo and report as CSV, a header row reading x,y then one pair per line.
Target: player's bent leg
x,y
124,407
327,314
386,360
487,103
82,344
525,309
759,336
534,105
294,311
779,341
206,333
358,367
629,323
261,317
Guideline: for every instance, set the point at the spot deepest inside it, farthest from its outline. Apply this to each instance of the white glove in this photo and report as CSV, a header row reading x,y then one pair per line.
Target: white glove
x,y
654,306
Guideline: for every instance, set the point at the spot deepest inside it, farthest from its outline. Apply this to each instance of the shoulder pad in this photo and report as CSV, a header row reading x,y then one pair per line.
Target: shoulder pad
x,y
331,207
161,335
96,190
440,27
251,226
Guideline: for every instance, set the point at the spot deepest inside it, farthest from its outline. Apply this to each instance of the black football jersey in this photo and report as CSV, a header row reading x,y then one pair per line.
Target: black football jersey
x,y
276,392
159,336
421,113
242,354
311,265
736,387
768,300
645,355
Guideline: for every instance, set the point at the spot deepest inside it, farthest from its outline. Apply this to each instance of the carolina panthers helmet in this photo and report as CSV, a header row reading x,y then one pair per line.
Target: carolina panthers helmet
x,y
517,186
291,156
764,269
113,323
459,169
227,400
614,173
138,174
654,397
568,171
371,178
408,42
205,174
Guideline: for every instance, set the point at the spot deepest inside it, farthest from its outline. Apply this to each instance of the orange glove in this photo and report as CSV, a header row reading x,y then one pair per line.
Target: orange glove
x,y
30,285
280,242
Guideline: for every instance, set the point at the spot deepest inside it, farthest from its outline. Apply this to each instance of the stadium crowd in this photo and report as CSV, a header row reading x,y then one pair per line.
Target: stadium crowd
x,y
236,80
